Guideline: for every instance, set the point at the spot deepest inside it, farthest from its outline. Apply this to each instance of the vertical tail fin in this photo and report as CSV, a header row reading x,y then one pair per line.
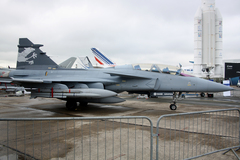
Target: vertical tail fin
x,y
74,62
31,57
101,58
85,62
68,63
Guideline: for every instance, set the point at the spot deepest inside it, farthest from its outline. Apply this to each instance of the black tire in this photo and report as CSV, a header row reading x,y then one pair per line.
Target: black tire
x,y
173,107
202,94
71,105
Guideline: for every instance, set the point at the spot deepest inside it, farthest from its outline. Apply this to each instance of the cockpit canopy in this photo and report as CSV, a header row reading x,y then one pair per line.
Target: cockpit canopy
x,y
157,68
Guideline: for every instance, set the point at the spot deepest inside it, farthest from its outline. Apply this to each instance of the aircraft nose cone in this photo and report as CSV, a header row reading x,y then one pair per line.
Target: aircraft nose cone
x,y
217,87
209,86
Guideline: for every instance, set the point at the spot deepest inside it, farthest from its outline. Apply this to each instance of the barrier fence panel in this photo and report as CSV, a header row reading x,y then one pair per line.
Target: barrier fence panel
x,y
76,138
179,136
191,135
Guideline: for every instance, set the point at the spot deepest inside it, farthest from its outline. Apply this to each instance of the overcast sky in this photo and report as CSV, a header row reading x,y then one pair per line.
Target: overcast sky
x,y
128,31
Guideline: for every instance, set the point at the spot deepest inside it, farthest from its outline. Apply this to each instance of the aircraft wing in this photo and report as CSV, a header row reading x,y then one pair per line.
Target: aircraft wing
x,y
77,79
5,80
83,80
125,75
28,80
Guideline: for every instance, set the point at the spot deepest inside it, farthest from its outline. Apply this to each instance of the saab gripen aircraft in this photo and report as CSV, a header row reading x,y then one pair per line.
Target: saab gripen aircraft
x,y
40,74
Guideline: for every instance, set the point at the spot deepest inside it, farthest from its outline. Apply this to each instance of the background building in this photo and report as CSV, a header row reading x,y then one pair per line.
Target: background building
x,y
232,70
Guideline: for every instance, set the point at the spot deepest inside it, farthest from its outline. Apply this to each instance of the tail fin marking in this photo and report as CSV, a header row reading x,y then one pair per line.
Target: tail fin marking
x,y
30,56
98,60
101,57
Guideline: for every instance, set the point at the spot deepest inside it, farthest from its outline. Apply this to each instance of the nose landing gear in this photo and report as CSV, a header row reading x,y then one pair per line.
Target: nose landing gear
x,y
173,106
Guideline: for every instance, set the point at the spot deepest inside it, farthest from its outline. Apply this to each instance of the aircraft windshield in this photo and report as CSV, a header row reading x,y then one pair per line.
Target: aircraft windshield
x,y
167,69
155,68
147,67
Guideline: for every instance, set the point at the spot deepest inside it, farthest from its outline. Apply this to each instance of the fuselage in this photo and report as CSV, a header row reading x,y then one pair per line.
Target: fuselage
x,y
118,79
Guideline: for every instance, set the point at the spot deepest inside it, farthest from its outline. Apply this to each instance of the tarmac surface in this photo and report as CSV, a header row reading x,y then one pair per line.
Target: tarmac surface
x,y
23,107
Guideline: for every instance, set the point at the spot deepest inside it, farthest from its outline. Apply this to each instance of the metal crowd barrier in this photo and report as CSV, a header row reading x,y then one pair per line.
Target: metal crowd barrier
x,y
196,134
178,136
76,138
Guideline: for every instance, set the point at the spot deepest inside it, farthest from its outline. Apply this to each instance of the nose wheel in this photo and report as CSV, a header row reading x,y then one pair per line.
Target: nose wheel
x,y
173,106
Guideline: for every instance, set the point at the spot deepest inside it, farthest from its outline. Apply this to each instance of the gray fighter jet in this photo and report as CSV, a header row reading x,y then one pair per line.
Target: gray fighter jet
x,y
36,71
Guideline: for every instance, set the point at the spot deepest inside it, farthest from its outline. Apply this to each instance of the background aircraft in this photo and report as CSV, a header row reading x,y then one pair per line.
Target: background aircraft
x,y
68,63
101,58
37,71
76,62
104,60
9,87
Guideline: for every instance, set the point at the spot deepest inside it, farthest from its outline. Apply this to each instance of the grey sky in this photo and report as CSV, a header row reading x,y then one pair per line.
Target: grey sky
x,y
128,31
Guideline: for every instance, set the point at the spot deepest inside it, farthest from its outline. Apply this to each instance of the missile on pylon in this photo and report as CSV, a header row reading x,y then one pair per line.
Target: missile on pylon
x,y
73,93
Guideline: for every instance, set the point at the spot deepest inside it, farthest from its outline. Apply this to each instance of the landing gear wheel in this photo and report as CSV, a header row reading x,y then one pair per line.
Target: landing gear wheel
x,y
173,106
202,94
71,105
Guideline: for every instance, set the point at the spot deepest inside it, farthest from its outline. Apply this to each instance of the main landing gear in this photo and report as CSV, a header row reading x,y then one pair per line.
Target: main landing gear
x,y
72,105
173,106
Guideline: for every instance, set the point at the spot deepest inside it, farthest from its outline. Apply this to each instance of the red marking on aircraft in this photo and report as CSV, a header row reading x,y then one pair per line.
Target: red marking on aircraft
x,y
98,60
52,92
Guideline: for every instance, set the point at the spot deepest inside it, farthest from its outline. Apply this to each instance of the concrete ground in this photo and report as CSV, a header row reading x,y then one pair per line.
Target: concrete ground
x,y
23,107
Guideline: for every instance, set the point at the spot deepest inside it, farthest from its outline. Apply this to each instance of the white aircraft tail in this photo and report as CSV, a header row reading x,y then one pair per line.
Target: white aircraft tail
x,y
101,58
